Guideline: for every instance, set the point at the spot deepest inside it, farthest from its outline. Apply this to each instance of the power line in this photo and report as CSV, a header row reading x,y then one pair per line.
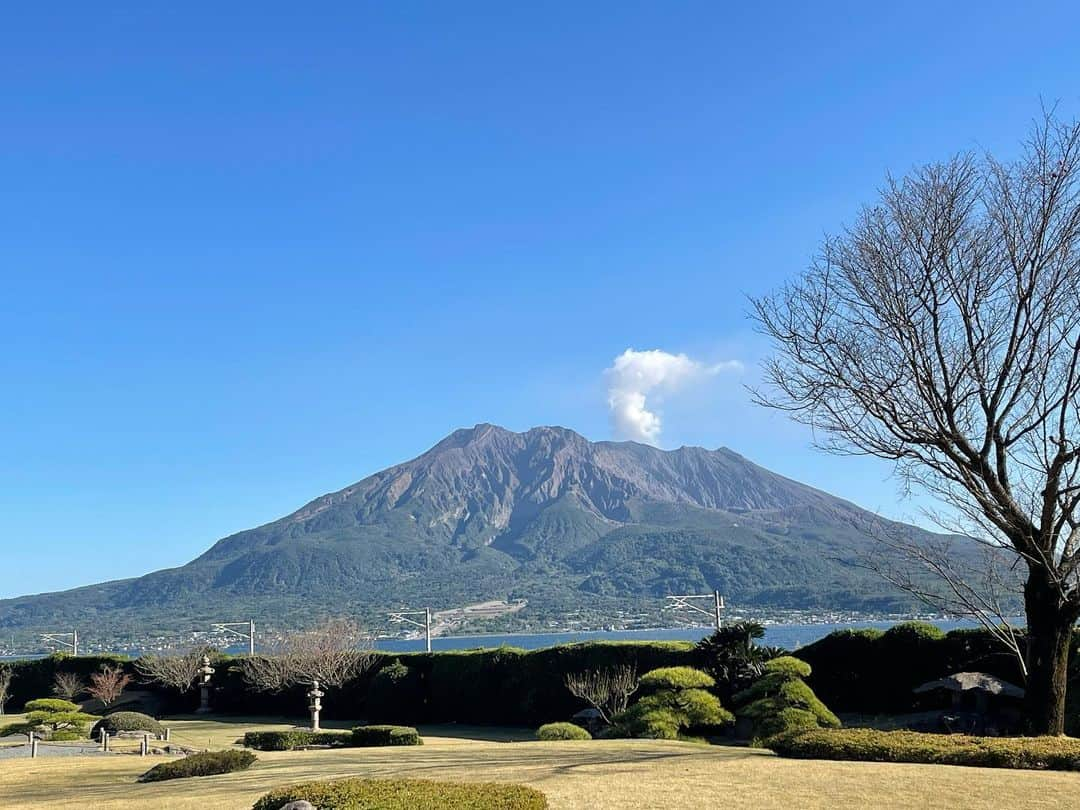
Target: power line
x,y
229,629
402,617
69,640
687,602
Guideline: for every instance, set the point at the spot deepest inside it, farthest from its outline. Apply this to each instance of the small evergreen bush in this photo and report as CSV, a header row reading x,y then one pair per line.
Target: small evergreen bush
x,y
562,731
781,701
870,745
128,721
295,738
405,794
675,702
207,763
372,736
53,719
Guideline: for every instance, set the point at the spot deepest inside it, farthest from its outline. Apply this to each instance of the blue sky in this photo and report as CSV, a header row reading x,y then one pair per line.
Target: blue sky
x,y
252,253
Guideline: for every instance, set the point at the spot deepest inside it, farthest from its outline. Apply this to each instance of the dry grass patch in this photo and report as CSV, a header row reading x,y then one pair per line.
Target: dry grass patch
x,y
617,774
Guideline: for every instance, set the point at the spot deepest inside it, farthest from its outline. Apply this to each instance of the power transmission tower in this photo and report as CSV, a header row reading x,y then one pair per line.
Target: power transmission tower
x,y
68,640
692,602
401,617
229,629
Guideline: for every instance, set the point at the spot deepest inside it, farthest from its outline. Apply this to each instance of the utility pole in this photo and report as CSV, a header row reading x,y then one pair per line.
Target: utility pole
x,y
401,617
230,630
690,602
68,640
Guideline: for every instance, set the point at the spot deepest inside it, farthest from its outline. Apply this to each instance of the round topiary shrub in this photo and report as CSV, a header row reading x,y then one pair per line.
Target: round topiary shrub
x,y
552,732
207,763
127,721
349,794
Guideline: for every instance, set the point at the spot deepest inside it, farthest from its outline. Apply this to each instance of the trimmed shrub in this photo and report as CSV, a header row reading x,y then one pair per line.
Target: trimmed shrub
x,y
405,794
373,736
551,732
52,718
870,745
676,678
674,704
295,738
788,666
207,763
53,705
128,721
781,700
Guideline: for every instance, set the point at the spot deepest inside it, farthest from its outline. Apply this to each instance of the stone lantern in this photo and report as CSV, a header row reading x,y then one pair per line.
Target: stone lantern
x,y
315,696
205,671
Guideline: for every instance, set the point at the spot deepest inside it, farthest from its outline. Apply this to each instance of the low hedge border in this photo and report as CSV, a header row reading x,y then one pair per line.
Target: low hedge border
x,y
405,794
207,763
373,736
295,738
870,745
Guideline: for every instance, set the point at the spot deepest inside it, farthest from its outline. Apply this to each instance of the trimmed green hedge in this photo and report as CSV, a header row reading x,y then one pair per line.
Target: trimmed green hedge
x,y
869,745
295,738
497,686
127,721
373,736
207,763
552,732
874,672
404,794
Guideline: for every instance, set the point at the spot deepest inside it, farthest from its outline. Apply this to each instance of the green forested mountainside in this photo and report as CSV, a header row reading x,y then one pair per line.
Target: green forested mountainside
x,y
487,514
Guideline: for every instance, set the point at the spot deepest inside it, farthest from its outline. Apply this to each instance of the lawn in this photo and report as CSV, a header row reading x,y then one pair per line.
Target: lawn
x,y
574,775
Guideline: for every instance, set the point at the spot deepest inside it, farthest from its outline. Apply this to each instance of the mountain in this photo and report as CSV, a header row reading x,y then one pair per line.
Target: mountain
x,y
545,515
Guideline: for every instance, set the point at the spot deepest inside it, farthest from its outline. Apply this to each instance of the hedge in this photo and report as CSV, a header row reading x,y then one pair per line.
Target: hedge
x,y
552,732
500,686
874,672
374,736
207,763
127,721
870,745
404,794
295,738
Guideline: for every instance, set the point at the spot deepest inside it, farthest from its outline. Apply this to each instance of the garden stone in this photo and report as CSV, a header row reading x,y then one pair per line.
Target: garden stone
x,y
300,805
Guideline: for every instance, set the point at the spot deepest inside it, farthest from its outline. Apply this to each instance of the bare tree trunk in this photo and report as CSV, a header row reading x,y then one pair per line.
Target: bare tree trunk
x,y
1050,627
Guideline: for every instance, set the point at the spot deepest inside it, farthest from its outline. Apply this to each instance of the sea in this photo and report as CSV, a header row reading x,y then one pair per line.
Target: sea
x,y
788,636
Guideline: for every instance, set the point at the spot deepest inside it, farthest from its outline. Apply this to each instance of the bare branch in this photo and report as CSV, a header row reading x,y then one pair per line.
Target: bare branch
x,y
606,690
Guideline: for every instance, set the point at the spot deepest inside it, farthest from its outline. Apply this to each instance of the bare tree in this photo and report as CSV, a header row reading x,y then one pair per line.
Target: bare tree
x,y
606,690
5,685
109,684
175,671
328,655
941,331
68,685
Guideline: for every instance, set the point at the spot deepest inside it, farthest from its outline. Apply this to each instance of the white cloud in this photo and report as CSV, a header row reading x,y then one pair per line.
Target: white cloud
x,y
654,373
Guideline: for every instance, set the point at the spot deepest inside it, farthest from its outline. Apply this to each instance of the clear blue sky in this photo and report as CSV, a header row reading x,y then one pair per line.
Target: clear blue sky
x,y
252,253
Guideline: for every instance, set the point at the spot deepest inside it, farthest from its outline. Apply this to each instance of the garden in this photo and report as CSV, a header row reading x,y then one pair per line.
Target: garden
x,y
598,725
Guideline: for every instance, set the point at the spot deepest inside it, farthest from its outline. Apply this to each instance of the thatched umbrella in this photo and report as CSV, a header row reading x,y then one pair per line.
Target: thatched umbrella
x,y
982,685
966,681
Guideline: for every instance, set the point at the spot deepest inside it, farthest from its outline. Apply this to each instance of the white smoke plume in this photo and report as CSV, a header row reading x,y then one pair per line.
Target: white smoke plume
x,y
635,375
